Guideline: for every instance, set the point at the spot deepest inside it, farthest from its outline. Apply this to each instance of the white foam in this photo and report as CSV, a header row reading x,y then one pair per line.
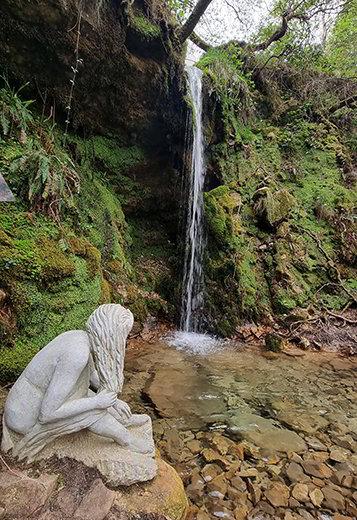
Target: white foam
x,y
194,343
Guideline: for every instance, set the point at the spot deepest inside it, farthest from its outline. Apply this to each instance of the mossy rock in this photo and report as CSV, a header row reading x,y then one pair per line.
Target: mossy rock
x,y
273,342
274,207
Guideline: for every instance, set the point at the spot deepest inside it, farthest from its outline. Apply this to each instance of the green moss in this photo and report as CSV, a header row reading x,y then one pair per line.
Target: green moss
x,y
55,264
116,157
145,27
82,247
221,206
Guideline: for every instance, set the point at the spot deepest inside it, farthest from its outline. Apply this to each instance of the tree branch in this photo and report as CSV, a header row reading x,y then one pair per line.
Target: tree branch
x,y
281,31
191,22
197,40
349,102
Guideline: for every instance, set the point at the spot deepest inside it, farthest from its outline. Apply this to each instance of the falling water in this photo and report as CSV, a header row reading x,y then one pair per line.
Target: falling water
x,y
192,296
190,336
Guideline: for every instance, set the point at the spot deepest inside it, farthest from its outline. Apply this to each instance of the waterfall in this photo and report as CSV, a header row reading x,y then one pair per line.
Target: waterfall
x,y
192,293
191,337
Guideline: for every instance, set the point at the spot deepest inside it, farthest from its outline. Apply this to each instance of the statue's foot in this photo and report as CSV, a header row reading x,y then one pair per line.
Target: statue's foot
x,y
137,420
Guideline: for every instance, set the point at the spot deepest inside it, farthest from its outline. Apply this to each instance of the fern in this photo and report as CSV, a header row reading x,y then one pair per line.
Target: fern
x,y
14,111
50,179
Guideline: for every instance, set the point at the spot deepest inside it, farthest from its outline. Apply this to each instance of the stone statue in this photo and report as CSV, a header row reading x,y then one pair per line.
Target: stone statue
x,y
53,398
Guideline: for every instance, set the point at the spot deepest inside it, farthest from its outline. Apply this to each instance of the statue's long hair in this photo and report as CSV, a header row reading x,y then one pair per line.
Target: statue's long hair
x,y
108,328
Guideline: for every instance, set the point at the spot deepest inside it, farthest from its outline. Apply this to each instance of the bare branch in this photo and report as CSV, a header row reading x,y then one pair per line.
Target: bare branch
x,y
281,31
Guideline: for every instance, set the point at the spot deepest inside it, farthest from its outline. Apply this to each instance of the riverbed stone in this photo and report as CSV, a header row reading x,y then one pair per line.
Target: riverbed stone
x,y
333,499
295,473
317,469
217,487
316,497
300,492
238,483
210,471
338,455
264,434
194,446
278,494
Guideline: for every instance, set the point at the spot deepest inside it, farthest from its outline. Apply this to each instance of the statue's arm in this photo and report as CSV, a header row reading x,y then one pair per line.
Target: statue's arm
x,y
56,406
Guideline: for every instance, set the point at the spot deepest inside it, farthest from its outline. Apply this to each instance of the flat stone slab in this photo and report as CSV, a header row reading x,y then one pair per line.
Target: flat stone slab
x,y
6,194
119,466
263,433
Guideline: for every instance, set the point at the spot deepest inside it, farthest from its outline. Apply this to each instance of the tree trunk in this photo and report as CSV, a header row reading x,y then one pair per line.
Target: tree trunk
x,y
193,19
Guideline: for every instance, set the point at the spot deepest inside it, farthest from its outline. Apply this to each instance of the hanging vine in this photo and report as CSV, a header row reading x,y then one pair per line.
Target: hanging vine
x,y
75,70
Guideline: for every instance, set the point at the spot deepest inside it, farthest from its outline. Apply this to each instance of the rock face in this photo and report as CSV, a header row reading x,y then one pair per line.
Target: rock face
x,y
21,496
77,493
165,495
124,84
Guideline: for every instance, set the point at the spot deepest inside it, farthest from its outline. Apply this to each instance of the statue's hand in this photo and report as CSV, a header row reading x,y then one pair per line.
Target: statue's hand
x,y
123,409
105,399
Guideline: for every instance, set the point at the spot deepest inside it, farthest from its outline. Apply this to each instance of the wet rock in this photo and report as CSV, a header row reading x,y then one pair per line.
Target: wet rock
x,y
240,512
96,503
338,455
278,494
211,455
264,434
194,446
218,487
254,492
317,469
238,483
21,495
248,473
300,492
262,510
308,423
315,444
210,471
221,444
316,497
333,499
295,473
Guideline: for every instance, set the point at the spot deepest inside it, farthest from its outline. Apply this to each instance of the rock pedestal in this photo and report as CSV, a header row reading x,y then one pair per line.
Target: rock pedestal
x,y
119,467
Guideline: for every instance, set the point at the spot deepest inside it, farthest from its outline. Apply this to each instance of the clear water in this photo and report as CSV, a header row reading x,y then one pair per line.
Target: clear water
x,y
192,295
